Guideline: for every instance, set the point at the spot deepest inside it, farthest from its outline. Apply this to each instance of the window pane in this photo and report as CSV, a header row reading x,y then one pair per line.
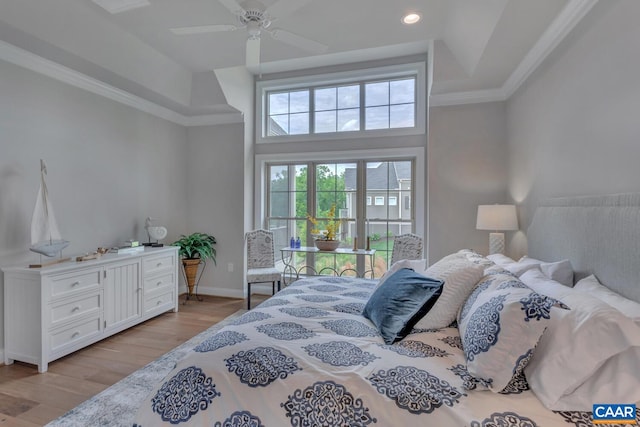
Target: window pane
x,y
376,94
379,200
278,125
325,99
299,101
402,116
349,96
325,121
377,118
393,201
279,178
299,124
348,120
402,91
278,103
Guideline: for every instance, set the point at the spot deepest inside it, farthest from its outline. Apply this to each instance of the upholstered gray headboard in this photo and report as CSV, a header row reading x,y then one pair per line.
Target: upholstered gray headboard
x,y
600,235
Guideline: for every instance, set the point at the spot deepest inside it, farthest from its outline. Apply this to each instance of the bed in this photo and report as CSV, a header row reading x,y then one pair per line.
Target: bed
x,y
308,357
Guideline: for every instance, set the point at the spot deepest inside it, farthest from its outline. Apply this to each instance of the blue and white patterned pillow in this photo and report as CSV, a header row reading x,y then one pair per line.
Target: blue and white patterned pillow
x,y
499,324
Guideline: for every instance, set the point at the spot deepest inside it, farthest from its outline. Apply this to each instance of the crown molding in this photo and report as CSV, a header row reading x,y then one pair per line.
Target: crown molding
x,y
38,64
470,97
568,18
572,13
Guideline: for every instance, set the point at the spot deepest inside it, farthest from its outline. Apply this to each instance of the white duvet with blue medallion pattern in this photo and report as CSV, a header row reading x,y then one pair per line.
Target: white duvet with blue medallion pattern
x,y
307,357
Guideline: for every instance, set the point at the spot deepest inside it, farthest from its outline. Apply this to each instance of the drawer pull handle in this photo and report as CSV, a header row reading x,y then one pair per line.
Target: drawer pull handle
x,y
74,284
76,308
159,283
159,264
159,302
75,334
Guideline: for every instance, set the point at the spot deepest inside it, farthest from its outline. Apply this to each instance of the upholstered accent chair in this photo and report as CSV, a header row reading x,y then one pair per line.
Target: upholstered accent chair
x,y
406,246
261,261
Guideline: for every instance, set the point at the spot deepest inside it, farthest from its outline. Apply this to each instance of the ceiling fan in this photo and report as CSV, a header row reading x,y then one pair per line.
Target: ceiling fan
x,y
257,18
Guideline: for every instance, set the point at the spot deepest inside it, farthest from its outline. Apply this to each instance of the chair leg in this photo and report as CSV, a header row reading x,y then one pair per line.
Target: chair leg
x,y
248,296
279,286
273,287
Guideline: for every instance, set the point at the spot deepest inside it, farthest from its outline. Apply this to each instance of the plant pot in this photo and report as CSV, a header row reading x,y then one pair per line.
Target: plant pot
x,y
327,245
191,271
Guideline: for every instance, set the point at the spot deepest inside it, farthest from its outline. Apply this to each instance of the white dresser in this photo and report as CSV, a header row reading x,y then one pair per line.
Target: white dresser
x,y
53,311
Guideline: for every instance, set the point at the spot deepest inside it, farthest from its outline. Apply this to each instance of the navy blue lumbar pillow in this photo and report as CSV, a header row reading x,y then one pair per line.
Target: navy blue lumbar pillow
x,y
403,299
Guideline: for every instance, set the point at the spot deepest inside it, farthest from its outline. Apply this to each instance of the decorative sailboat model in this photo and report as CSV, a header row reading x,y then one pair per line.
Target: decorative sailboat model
x,y
45,236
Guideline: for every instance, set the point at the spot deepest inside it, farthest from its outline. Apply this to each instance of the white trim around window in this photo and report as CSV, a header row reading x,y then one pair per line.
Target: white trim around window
x,y
261,161
389,72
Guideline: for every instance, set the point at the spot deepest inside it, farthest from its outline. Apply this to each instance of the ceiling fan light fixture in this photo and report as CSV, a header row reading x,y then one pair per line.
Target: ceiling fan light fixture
x,y
411,18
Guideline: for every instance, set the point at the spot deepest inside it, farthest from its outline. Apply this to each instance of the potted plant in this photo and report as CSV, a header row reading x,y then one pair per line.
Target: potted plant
x,y
195,248
326,240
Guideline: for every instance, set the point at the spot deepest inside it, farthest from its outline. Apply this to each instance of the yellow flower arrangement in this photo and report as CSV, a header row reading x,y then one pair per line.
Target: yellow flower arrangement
x,y
332,225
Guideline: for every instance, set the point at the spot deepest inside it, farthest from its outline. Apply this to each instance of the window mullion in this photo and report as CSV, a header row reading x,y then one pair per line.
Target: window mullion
x,y
362,106
312,111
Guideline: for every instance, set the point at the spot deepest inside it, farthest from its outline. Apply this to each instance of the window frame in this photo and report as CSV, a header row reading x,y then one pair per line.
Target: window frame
x,y
388,73
419,212
378,199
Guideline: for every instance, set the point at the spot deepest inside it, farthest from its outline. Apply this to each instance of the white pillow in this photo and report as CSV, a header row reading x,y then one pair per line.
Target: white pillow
x,y
460,276
539,282
417,265
476,258
584,355
560,271
500,328
593,286
501,259
522,265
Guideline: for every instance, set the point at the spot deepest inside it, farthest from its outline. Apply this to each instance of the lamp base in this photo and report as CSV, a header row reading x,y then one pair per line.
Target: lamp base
x,y
496,243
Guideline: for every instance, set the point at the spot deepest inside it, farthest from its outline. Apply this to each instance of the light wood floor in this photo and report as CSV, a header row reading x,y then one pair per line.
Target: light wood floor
x,y
31,399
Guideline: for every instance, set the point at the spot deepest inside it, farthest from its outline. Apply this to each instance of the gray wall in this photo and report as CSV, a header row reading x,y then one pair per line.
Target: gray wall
x,y
467,166
573,128
110,166
215,180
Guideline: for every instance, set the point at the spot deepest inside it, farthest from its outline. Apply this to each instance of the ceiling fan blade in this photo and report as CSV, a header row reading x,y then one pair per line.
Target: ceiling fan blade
x,y
298,41
285,7
233,6
202,29
253,53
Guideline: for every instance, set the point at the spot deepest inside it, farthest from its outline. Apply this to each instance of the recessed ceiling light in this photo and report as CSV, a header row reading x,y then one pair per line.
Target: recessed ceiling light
x,y
411,18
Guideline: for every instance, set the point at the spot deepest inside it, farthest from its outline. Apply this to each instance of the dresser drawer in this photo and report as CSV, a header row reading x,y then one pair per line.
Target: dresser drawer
x,y
158,282
158,265
158,300
75,332
65,285
68,310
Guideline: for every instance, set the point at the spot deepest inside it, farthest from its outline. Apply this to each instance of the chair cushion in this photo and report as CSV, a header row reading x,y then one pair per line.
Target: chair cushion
x,y
256,275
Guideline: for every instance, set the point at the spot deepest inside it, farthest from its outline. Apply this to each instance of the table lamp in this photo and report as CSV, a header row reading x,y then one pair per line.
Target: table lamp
x,y
496,218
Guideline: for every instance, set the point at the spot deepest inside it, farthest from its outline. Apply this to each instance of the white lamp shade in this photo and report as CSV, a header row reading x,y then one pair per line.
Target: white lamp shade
x,y
497,217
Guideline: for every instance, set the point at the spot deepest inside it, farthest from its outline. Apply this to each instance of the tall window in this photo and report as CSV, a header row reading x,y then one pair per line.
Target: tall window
x,y
296,190
358,106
